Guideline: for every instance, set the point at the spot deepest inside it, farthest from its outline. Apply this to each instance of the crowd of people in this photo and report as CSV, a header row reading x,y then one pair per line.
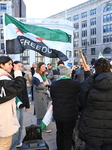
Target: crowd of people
x,y
77,93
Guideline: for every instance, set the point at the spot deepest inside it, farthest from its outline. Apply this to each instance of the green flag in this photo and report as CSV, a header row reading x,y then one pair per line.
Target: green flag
x,y
100,55
20,36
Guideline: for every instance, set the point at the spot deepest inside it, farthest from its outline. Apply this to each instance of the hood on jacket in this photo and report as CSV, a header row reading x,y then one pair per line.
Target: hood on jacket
x,y
103,81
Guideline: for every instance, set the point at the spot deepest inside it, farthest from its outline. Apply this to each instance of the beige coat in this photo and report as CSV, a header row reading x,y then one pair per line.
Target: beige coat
x,y
8,119
28,76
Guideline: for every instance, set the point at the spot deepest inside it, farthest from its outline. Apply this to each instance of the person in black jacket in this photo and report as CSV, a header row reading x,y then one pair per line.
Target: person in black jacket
x,y
16,141
64,92
95,126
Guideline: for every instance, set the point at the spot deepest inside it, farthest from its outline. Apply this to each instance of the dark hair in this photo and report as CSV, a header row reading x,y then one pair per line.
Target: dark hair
x,y
49,64
4,59
60,62
102,65
17,61
38,67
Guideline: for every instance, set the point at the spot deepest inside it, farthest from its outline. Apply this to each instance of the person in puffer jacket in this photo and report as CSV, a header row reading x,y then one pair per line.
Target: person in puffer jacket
x,y
9,89
95,126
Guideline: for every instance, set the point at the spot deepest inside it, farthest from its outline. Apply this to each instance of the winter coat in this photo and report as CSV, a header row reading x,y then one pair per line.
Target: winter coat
x,y
95,127
23,96
40,96
53,75
9,88
64,93
28,76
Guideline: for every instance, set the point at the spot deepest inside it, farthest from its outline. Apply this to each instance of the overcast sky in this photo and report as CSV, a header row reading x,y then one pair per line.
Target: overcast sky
x,y
46,8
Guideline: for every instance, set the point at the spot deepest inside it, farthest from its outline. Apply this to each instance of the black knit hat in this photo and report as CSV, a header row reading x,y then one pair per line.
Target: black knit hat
x,y
60,62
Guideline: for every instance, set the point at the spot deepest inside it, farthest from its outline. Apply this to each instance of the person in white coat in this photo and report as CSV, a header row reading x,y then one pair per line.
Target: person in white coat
x,y
9,88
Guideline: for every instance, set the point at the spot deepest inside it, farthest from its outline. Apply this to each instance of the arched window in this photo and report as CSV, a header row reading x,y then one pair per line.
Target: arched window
x,y
107,8
107,50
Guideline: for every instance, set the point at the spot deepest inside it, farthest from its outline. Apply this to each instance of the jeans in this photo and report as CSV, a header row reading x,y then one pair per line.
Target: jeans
x,y
20,118
39,122
104,147
16,138
29,90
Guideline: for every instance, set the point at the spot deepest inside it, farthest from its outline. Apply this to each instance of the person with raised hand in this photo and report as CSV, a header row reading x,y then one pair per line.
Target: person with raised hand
x,y
9,88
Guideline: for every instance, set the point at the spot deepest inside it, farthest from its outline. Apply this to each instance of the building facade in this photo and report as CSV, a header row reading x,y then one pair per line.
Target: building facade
x,y
17,9
92,23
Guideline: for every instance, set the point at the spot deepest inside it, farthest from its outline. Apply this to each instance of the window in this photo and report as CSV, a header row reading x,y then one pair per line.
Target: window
x,y
39,57
24,57
84,51
76,17
1,19
53,61
107,8
2,45
107,28
68,53
93,21
92,51
76,25
107,50
93,31
69,18
2,34
107,18
84,42
110,38
107,38
104,39
104,18
93,41
84,24
70,37
3,7
76,43
84,15
76,53
92,61
84,33
76,35
93,12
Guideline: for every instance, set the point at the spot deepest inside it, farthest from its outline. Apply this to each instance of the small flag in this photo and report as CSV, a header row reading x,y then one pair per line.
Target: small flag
x,y
20,36
100,55
47,118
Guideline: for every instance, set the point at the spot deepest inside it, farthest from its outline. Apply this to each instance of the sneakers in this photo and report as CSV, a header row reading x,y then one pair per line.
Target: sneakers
x,y
19,145
47,131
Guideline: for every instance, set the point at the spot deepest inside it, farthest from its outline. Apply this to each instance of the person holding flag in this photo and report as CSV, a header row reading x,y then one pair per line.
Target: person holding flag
x,y
40,87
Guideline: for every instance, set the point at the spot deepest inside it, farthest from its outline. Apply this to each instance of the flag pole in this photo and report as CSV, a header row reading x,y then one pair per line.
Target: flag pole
x,y
4,32
82,56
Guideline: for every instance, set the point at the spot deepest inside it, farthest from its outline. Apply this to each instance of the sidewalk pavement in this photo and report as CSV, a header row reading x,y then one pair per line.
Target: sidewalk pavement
x,y
50,138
